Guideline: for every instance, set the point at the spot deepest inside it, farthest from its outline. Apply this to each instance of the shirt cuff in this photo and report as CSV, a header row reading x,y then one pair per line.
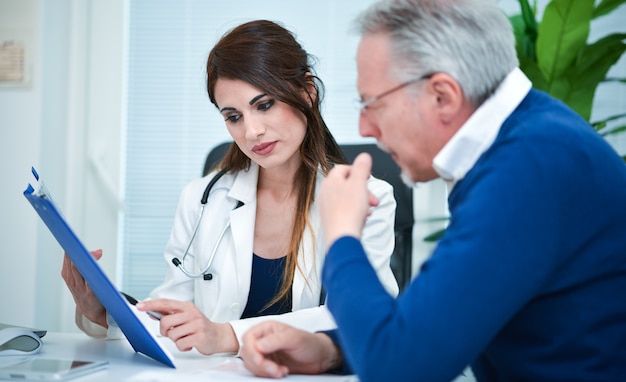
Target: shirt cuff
x,y
113,332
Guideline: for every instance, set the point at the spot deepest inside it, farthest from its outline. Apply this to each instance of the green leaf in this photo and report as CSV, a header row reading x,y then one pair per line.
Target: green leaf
x,y
589,70
612,79
435,236
518,27
524,46
562,33
601,55
528,14
527,34
602,126
613,131
598,126
561,88
534,74
613,118
606,6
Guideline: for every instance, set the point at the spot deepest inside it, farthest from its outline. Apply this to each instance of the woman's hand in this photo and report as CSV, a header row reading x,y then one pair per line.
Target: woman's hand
x,y
185,324
86,301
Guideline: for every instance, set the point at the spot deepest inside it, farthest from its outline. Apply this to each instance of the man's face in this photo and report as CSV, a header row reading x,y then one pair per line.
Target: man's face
x,y
402,121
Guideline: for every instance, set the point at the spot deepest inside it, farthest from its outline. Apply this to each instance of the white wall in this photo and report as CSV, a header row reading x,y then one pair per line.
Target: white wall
x,y
20,111
67,122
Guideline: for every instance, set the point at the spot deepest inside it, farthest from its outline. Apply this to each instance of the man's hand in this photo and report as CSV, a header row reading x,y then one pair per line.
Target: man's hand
x,y
86,301
273,350
189,328
345,200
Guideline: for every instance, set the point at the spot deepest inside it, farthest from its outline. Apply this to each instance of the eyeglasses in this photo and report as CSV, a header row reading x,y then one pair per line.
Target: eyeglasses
x,y
363,104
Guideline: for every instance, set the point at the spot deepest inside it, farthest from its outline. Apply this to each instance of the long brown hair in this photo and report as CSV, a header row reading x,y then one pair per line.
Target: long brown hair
x,y
268,57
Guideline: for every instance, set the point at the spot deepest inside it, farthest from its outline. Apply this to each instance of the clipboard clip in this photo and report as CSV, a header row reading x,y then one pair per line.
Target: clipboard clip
x,y
41,189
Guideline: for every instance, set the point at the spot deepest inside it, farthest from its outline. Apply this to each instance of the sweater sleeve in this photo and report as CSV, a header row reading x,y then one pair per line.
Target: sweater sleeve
x,y
495,255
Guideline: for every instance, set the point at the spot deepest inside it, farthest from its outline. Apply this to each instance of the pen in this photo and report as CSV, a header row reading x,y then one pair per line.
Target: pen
x,y
151,313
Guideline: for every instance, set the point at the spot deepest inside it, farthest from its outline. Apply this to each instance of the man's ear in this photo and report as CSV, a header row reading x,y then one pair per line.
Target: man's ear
x,y
449,96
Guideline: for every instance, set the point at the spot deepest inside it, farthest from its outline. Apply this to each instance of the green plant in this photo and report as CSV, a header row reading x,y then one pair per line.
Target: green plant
x,y
554,54
556,57
435,235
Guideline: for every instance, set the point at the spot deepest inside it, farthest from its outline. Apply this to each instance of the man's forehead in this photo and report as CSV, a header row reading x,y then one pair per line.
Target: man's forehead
x,y
372,59
373,49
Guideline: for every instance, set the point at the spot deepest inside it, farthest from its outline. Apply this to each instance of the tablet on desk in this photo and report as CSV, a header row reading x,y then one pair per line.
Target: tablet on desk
x,y
142,340
43,369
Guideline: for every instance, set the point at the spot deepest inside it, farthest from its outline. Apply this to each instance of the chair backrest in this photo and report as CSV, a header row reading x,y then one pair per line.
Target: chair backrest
x,y
383,167
215,155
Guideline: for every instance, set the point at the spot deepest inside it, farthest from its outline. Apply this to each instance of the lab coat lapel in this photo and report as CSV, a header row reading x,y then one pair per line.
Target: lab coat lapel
x,y
242,224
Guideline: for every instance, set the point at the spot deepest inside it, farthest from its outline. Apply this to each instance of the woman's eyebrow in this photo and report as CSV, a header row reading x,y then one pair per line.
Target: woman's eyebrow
x,y
253,100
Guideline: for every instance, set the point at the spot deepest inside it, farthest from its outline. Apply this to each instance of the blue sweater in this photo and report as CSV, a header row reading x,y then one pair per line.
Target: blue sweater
x,y
528,282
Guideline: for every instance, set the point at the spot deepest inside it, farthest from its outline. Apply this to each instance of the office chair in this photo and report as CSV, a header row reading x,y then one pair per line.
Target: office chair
x,y
383,167
215,155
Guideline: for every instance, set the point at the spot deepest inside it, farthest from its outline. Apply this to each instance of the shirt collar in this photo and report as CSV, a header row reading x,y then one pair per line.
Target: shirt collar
x,y
479,132
245,184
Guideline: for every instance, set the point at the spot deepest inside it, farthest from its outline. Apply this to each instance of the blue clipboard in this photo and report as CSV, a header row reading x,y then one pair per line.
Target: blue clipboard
x,y
114,301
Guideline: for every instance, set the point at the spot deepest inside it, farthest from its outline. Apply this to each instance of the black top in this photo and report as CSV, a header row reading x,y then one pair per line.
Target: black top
x,y
266,279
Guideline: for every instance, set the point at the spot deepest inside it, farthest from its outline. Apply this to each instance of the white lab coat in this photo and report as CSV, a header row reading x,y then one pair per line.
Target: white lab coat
x,y
224,298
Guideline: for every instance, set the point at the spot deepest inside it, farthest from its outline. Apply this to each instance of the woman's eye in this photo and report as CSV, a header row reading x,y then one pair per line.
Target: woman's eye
x,y
233,118
265,105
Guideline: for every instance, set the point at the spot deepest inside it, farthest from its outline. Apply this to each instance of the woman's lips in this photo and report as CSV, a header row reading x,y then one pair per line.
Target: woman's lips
x,y
264,148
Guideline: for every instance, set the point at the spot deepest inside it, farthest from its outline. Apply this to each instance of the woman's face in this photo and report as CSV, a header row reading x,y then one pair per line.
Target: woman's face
x,y
268,131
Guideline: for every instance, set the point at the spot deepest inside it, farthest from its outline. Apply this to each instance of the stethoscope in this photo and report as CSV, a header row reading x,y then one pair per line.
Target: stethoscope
x,y
181,264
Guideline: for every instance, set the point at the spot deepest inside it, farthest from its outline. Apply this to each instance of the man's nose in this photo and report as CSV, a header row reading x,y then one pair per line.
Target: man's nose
x,y
367,128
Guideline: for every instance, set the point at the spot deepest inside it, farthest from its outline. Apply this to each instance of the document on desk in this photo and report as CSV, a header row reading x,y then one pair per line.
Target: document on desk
x,y
230,375
125,315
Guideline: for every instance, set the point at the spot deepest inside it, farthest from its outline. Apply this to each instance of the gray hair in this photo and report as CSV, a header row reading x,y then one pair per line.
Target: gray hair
x,y
471,40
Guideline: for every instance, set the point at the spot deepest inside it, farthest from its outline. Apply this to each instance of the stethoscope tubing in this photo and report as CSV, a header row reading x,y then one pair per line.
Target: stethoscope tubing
x,y
213,252
181,264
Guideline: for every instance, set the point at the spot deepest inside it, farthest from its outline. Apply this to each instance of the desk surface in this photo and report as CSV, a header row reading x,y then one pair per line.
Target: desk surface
x,y
126,365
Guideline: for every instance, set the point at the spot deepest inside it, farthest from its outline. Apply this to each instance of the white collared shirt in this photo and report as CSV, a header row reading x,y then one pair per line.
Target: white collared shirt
x,y
479,132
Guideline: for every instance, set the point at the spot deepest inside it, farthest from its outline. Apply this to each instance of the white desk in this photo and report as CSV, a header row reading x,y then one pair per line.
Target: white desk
x,y
126,365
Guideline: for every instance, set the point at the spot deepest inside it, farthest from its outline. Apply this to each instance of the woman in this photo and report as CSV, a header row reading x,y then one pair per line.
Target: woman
x,y
269,258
